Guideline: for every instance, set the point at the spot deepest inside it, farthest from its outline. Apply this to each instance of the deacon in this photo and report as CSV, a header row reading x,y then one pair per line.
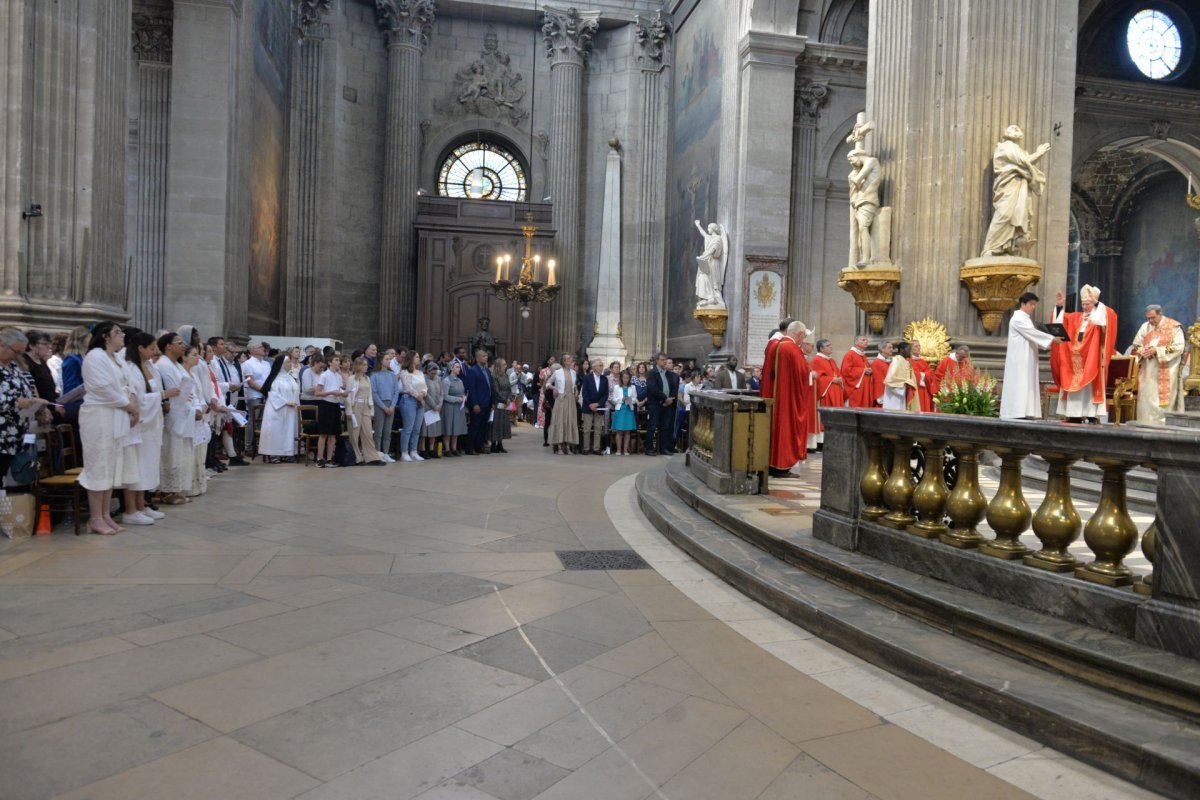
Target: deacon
x,y
899,382
952,366
1159,347
1080,365
830,388
815,435
856,375
879,370
1020,398
924,375
785,379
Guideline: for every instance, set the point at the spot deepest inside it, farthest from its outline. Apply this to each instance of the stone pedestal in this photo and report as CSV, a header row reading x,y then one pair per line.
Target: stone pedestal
x,y
874,290
729,441
995,283
715,322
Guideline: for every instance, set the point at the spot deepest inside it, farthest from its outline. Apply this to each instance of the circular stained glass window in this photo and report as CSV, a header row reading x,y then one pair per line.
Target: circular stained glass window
x,y
482,171
1154,42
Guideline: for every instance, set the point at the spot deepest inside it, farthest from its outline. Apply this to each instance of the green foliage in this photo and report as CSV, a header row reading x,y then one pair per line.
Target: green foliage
x,y
971,393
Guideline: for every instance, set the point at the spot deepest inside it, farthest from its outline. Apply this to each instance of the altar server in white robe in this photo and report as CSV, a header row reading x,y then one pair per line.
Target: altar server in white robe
x,y
177,468
1159,347
1021,396
108,415
281,412
146,387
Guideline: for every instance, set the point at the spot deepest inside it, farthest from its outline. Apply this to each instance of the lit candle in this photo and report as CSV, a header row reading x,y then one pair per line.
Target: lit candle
x,y
551,281
507,265
537,262
499,263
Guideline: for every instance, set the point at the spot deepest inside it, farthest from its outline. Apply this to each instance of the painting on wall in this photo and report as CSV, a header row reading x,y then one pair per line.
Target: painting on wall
x,y
697,135
1161,261
268,179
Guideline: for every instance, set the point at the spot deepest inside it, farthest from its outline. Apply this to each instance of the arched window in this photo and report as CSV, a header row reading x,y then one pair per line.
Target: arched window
x,y
1154,43
481,170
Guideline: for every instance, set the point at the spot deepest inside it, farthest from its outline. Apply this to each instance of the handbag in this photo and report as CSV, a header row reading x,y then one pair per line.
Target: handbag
x,y
23,467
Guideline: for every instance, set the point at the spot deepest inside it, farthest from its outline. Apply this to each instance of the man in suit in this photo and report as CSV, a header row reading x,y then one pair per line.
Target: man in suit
x,y
594,390
662,388
730,377
481,393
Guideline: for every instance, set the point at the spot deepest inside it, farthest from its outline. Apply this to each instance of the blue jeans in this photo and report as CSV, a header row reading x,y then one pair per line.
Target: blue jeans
x,y
410,434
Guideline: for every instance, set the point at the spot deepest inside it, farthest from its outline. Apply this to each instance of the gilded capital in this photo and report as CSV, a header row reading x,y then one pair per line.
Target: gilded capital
x,y
568,35
406,22
654,38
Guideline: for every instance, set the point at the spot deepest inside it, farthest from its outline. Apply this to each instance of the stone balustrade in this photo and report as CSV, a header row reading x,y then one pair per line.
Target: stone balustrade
x,y
866,489
729,440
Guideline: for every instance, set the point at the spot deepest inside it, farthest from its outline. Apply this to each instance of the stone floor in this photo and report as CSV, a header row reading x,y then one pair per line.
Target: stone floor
x,y
409,632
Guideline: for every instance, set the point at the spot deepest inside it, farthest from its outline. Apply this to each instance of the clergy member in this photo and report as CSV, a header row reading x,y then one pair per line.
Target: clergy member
x,y
899,382
785,379
772,343
856,375
879,370
815,431
952,366
1021,398
1159,347
831,387
924,375
1080,365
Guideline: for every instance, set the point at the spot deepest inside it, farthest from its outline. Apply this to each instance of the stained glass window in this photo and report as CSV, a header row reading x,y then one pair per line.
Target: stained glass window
x,y
1154,43
482,171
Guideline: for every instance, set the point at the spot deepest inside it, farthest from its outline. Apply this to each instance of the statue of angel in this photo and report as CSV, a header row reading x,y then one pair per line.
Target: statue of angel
x,y
710,273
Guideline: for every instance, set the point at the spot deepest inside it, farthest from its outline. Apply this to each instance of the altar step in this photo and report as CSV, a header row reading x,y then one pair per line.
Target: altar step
x,y
1125,708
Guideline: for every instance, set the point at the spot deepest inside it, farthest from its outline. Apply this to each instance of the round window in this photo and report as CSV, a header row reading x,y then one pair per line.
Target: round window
x,y
482,171
1154,43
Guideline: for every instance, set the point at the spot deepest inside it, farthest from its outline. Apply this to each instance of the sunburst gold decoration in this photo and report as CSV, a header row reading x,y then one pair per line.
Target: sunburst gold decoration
x,y
1193,339
933,336
764,291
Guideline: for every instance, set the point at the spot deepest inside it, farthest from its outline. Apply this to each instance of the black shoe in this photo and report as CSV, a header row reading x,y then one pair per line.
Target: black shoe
x,y
650,453
237,461
501,449
780,473
668,452
332,464
545,444
321,463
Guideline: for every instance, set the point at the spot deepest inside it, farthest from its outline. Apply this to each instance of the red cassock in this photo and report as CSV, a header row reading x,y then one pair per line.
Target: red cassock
x,y
948,368
785,378
879,368
1075,364
858,386
828,393
920,367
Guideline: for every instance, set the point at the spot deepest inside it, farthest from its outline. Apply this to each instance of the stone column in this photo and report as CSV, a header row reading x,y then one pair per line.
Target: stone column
x,y
944,79
643,320
13,198
568,35
406,26
147,213
306,173
804,288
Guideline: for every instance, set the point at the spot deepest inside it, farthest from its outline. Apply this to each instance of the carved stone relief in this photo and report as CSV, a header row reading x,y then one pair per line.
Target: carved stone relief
x,y
487,87
152,35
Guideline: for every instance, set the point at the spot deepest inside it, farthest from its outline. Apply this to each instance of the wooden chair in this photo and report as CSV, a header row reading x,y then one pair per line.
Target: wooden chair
x,y
308,434
1121,389
65,444
59,489
255,423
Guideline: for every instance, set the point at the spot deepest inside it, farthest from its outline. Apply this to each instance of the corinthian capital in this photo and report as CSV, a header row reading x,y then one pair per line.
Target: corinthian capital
x,y
406,22
569,34
308,14
654,37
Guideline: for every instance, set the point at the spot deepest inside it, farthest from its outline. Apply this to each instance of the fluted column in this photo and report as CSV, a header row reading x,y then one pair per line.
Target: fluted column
x,y
406,25
944,79
306,131
13,24
642,303
568,35
804,291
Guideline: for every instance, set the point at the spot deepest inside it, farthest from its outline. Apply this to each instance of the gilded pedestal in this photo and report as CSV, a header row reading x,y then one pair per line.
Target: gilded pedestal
x,y
873,289
995,283
1008,514
714,321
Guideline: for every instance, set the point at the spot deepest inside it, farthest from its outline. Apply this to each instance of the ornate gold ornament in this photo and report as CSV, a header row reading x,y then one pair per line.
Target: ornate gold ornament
x,y
873,289
1193,201
714,321
1193,337
995,283
764,292
933,336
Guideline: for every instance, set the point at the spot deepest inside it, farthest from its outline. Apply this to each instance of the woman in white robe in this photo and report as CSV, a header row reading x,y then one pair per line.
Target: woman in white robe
x,y
108,413
146,387
281,412
177,467
202,395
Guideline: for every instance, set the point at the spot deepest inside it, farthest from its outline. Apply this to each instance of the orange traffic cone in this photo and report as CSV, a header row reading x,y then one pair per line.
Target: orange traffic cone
x,y
43,523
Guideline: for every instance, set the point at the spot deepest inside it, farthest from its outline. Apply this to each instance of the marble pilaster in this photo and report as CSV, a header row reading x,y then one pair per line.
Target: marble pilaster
x,y
568,36
804,290
406,25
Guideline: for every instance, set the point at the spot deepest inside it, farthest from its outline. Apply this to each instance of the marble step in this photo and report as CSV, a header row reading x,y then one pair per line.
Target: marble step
x,y
944,643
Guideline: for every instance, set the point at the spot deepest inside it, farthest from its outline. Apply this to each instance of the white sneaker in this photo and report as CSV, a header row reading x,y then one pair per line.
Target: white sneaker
x,y
136,518
152,514
405,457
414,456
388,458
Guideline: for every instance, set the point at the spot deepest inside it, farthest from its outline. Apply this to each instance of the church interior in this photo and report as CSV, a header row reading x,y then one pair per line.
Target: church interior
x,y
929,605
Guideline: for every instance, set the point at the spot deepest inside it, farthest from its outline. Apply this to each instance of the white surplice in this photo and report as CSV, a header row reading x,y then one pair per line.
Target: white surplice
x,y
110,457
280,421
1021,396
1152,405
148,393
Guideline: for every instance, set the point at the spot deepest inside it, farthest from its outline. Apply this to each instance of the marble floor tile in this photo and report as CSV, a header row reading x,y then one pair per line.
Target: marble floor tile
x,y
77,565
609,621
509,651
431,634
511,775
380,563
88,605
205,622
813,656
879,691
223,602
807,777
61,656
443,588
738,767
678,676
771,629
960,732
665,603
455,790
1048,774
182,566
636,657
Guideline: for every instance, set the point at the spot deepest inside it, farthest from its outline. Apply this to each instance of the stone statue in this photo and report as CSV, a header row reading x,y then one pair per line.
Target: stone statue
x,y
488,86
483,340
710,273
864,205
1015,177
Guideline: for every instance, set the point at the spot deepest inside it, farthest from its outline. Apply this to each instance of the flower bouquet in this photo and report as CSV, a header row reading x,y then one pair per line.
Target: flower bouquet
x,y
970,392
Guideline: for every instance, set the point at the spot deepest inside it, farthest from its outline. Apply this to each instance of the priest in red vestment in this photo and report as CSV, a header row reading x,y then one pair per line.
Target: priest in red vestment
x,y
830,388
785,379
879,369
951,366
924,375
856,375
1080,365
772,343
815,430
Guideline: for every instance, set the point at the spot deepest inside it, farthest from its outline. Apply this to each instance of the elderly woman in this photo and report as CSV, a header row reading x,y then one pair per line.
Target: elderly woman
x,y
16,395
501,424
107,423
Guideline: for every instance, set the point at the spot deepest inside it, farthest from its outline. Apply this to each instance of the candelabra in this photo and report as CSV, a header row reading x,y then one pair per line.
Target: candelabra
x,y
527,288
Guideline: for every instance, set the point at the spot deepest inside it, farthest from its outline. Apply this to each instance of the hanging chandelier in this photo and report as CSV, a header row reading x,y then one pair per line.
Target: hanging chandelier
x,y
528,287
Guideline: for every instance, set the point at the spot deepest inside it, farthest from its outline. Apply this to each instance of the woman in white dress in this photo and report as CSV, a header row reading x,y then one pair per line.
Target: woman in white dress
x,y
108,413
177,468
281,412
146,386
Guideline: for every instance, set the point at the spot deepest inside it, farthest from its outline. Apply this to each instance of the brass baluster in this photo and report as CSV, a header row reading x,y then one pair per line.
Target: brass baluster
x,y
966,504
929,498
1149,542
898,491
1056,523
1110,533
873,479
1008,514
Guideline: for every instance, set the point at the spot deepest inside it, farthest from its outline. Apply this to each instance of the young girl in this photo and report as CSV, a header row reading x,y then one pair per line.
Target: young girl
x,y
360,408
329,390
413,390
623,398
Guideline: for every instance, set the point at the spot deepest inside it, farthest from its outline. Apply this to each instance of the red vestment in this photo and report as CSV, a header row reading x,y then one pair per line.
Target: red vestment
x,y
785,378
921,369
858,385
827,393
1075,364
948,367
879,368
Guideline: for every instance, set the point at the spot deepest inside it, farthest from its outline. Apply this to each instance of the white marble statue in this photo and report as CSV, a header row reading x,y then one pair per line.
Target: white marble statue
x,y
710,272
864,205
1016,178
